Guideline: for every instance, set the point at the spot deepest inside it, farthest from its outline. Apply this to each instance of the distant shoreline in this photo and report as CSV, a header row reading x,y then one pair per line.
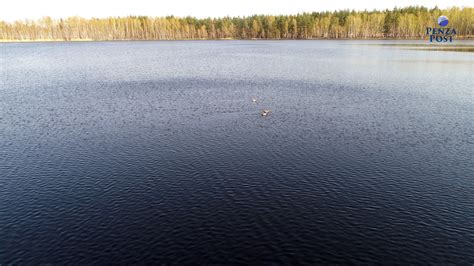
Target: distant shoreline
x,y
230,39
408,23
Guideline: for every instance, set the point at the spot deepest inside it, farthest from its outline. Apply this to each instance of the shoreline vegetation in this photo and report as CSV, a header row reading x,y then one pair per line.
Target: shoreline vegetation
x,y
408,23
250,39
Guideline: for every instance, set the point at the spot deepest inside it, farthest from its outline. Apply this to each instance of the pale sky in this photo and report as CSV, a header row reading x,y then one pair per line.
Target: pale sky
x,y
11,10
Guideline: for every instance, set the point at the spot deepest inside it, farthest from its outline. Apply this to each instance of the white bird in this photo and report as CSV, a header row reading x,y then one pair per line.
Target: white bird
x,y
254,100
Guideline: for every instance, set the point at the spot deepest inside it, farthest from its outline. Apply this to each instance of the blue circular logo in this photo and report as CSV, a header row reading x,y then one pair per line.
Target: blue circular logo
x,y
443,21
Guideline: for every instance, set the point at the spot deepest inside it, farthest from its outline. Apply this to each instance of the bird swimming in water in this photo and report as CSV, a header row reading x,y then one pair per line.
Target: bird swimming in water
x,y
254,100
265,112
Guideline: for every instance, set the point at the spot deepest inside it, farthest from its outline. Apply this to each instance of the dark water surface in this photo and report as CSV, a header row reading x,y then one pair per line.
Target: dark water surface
x,y
132,152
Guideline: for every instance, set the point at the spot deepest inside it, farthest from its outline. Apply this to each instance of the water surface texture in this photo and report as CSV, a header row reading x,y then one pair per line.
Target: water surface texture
x,y
154,152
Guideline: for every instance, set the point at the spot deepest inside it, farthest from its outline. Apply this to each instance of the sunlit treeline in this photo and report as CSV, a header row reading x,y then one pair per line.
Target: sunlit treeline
x,y
402,23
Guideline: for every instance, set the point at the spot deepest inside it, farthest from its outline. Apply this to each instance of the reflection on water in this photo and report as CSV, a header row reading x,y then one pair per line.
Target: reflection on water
x,y
456,46
149,152
469,49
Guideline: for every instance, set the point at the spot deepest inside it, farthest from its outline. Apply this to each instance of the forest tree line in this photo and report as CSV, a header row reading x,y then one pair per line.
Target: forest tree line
x,y
399,23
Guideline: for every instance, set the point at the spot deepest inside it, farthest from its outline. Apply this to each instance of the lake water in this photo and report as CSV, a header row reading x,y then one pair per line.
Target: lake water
x,y
154,152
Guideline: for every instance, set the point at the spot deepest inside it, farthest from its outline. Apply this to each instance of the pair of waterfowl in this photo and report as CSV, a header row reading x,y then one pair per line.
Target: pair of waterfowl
x,y
265,112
